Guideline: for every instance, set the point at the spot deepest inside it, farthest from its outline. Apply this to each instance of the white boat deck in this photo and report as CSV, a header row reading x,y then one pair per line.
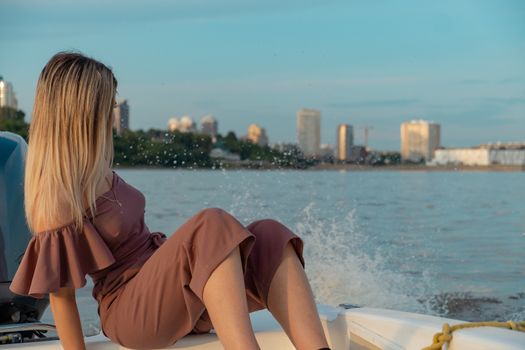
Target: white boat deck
x,y
354,329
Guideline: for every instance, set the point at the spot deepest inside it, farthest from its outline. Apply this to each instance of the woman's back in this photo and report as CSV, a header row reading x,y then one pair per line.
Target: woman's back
x,y
111,247
64,206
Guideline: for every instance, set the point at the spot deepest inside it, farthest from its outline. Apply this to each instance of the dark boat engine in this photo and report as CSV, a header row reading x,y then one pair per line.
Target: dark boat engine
x,y
19,315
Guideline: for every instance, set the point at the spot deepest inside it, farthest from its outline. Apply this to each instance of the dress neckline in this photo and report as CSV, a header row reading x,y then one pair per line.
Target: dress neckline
x,y
99,197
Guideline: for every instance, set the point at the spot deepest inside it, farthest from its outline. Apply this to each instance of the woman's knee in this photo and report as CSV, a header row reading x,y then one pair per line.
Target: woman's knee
x,y
269,228
273,238
204,223
213,217
212,213
216,223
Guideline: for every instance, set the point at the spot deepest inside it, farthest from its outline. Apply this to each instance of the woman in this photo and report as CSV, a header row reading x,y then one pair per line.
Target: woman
x,y
151,290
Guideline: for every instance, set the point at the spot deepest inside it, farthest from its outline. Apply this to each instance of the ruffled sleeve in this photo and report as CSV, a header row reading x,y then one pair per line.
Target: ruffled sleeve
x,y
60,258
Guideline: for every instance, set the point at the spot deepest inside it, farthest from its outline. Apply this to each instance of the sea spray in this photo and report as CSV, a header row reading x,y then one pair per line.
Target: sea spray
x,y
342,271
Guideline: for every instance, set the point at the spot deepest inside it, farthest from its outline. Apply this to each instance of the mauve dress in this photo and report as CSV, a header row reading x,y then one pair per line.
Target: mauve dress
x,y
149,287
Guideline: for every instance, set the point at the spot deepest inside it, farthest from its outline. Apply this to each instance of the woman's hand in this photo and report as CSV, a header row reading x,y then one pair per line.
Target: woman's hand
x,y
67,319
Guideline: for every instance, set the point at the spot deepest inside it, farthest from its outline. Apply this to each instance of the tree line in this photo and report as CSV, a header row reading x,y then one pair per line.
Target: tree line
x,y
177,149
162,148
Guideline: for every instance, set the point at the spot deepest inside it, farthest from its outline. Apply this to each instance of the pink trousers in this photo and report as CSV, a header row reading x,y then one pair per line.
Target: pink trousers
x,y
163,302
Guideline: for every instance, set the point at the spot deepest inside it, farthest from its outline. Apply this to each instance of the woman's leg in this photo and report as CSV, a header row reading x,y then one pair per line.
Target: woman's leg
x,y
225,299
164,301
291,301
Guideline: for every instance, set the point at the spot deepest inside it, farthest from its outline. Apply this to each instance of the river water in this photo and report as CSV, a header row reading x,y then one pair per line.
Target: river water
x,y
442,243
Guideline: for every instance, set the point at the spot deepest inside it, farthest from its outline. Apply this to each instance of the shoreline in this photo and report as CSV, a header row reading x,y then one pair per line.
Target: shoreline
x,y
421,168
349,168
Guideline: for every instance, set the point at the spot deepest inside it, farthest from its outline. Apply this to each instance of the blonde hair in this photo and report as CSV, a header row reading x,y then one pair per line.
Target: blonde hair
x,y
70,139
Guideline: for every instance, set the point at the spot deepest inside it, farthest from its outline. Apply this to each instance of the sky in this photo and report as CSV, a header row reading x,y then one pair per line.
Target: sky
x,y
460,63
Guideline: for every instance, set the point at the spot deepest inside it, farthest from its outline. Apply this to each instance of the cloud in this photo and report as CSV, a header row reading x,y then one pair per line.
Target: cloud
x,y
479,112
473,82
503,101
504,81
512,80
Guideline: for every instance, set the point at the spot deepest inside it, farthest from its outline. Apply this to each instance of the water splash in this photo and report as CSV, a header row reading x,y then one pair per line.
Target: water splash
x,y
342,271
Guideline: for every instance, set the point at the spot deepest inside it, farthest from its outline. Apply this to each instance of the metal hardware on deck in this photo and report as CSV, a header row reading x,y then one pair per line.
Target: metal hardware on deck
x,y
23,327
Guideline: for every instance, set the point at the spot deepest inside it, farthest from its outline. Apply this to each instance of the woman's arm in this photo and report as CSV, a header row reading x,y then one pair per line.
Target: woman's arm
x,y
67,319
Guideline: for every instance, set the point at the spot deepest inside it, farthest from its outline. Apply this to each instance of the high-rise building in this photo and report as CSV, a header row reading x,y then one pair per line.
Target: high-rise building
x,y
345,141
7,94
419,140
209,125
257,135
173,124
309,131
184,124
121,121
187,124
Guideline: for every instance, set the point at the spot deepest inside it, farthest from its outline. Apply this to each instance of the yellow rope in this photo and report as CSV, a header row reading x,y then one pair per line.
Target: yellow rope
x,y
445,336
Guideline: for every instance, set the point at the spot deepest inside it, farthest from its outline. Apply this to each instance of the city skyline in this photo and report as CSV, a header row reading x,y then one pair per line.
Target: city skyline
x,y
366,64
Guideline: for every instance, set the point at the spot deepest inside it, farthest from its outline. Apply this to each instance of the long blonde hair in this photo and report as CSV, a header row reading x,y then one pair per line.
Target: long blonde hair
x,y
70,139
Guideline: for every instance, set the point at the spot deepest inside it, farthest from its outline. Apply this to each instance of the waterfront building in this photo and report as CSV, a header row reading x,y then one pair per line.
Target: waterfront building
x,y
219,153
257,135
209,126
326,153
503,145
184,124
287,149
309,131
121,121
7,94
480,156
419,140
358,154
173,124
187,124
345,141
